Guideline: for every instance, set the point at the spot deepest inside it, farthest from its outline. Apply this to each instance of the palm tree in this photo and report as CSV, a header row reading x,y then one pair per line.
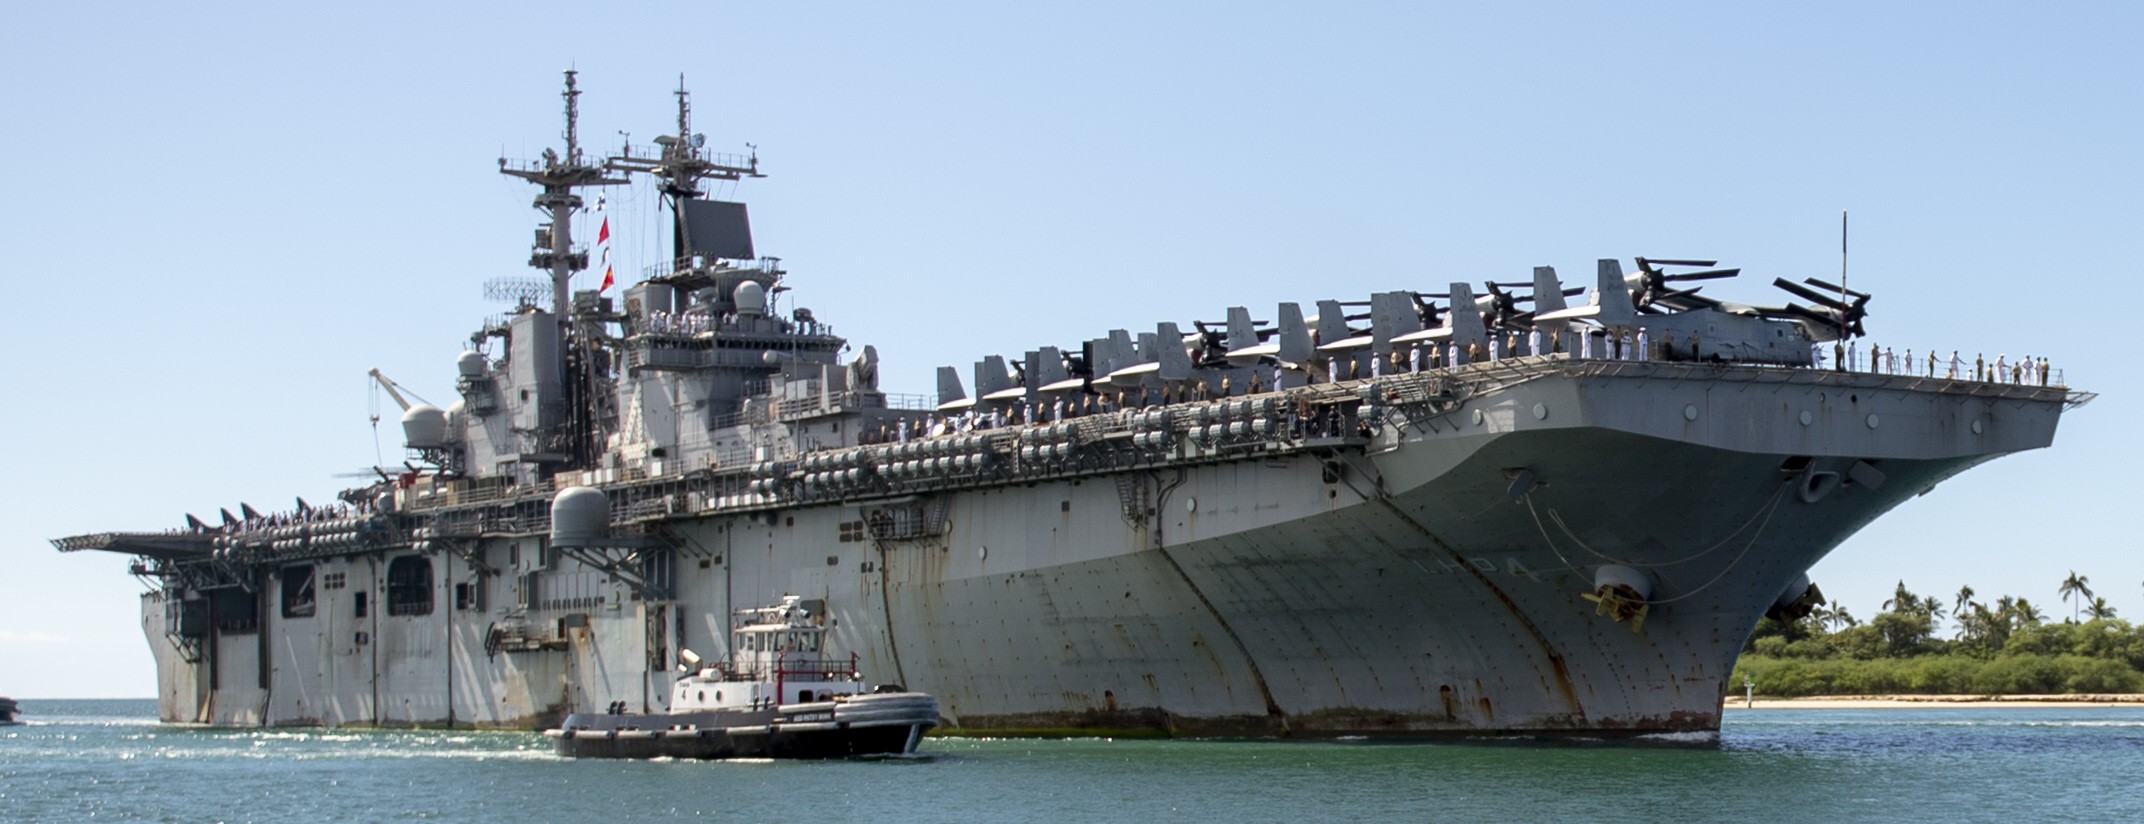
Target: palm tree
x,y
1965,596
1902,599
1836,616
1972,622
2025,613
2078,587
2099,610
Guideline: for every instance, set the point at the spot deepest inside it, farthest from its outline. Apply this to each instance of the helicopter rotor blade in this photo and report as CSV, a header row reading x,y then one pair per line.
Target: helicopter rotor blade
x,y
1709,274
1805,293
1835,288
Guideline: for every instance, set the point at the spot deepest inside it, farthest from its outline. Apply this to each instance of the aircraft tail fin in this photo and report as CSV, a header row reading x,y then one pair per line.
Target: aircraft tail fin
x,y
990,376
1332,322
1295,345
1242,333
1048,368
1612,295
949,389
1175,361
1465,317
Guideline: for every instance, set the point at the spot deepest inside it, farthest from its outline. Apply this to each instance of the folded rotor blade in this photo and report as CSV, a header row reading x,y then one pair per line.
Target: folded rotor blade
x,y
1807,294
1709,274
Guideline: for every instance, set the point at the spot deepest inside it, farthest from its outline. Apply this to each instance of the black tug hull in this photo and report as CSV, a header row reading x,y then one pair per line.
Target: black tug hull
x,y
714,744
886,724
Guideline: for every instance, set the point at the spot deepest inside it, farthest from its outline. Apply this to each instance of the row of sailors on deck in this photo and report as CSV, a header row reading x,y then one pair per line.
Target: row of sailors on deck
x,y
1884,360
694,323
1598,344
684,323
1616,344
1300,421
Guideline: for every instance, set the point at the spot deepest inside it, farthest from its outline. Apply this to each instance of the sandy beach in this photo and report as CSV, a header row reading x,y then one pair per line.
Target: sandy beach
x,y
1873,702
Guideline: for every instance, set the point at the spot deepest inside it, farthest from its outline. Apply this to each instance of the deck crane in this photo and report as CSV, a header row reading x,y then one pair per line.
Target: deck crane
x,y
394,390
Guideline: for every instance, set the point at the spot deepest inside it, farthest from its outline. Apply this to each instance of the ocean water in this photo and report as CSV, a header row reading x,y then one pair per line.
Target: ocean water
x,y
110,760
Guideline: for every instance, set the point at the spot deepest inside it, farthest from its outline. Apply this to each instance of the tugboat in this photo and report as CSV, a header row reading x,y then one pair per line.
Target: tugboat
x,y
736,710
8,708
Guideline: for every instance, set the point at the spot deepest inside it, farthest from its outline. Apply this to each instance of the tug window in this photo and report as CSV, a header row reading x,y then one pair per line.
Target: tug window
x,y
298,600
409,585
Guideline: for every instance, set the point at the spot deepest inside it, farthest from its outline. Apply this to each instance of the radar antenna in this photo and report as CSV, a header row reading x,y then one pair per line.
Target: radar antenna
x,y
680,163
559,176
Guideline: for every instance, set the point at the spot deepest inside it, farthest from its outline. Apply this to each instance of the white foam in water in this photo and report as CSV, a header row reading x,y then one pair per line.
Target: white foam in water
x,y
1692,737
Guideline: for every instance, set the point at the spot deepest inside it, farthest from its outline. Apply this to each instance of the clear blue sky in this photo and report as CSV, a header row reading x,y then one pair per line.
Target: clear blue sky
x,y
220,217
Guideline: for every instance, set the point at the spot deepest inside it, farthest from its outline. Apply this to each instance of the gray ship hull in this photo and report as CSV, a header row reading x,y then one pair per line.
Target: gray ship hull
x,y
1427,578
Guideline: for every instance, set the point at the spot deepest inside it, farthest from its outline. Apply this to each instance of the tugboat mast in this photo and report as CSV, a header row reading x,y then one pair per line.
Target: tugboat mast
x,y
559,176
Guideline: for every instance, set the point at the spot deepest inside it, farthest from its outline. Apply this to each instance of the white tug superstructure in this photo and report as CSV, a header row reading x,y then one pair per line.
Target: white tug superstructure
x,y
774,652
779,695
1418,514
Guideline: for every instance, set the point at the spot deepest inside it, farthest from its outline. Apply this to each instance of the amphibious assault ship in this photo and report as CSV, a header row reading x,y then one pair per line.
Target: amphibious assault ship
x,y
1417,514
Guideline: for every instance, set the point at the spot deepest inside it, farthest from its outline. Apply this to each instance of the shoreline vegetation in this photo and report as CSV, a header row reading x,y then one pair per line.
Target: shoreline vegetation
x,y
1936,702
2005,653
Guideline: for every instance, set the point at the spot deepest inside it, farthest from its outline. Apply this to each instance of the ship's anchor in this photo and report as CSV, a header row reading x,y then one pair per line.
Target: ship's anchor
x,y
1621,603
1799,600
1623,594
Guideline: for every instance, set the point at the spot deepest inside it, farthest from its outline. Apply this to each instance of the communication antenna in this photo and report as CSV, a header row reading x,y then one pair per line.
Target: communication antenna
x,y
1842,273
521,291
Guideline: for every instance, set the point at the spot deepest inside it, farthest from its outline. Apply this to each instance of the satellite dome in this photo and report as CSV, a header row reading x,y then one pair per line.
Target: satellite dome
x,y
470,363
424,426
580,516
751,298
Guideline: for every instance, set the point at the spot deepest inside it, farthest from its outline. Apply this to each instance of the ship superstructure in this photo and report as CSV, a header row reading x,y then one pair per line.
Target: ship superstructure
x,y
1415,514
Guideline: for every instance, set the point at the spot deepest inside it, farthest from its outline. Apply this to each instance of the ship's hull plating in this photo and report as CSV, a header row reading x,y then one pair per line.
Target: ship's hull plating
x,y
1428,582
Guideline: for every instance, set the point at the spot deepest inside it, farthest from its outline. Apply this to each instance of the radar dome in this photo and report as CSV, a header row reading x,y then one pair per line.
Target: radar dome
x,y
424,426
751,298
580,516
470,363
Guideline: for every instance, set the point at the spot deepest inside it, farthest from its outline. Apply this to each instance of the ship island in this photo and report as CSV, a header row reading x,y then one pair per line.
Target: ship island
x,y
1509,510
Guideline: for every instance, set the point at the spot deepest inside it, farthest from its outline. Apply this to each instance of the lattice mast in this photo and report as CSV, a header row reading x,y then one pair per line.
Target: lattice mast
x,y
560,175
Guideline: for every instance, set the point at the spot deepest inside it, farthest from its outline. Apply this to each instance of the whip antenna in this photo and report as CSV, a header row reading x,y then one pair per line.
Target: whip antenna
x,y
1842,272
